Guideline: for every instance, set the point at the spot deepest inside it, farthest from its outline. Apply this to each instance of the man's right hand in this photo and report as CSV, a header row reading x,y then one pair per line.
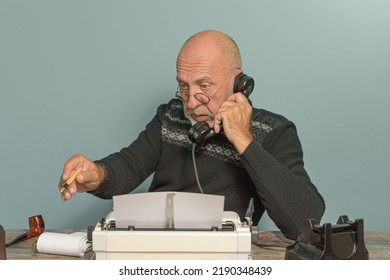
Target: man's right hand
x,y
89,179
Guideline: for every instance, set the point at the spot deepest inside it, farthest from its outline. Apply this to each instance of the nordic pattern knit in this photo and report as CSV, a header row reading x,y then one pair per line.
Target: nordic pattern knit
x,y
271,170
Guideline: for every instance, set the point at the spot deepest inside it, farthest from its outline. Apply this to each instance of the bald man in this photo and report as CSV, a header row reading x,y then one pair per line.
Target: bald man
x,y
250,153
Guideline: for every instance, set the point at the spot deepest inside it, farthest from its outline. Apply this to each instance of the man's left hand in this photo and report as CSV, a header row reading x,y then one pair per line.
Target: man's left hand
x,y
235,116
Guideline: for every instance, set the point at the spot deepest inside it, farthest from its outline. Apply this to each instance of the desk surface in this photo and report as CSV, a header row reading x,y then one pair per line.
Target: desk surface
x,y
272,246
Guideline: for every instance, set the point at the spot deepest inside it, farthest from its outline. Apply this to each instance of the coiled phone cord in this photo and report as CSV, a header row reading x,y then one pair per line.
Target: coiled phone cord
x,y
196,169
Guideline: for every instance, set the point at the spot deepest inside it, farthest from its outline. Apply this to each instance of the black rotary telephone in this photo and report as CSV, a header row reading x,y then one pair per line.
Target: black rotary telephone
x,y
200,133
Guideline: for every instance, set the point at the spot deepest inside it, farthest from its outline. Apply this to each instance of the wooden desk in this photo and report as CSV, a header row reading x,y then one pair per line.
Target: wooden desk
x,y
272,247
26,250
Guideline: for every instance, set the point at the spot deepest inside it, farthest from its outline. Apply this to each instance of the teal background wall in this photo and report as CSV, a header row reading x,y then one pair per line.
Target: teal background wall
x,y
86,76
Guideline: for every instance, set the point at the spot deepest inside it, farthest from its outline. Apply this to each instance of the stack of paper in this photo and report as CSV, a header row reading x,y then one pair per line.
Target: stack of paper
x,y
73,244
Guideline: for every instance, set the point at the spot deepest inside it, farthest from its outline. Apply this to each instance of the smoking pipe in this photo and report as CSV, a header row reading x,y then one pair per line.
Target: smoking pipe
x,y
37,226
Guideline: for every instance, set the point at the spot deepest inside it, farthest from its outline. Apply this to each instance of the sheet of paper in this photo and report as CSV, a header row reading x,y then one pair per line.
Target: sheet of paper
x,y
149,210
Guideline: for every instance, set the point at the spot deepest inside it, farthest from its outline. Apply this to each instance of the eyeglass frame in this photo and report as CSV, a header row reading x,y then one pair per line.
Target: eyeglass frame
x,y
179,96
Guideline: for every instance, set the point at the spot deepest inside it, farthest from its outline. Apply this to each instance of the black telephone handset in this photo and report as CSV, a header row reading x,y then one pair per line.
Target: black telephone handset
x,y
200,133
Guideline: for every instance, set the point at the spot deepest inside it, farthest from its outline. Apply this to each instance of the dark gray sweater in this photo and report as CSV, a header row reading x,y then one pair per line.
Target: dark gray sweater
x,y
271,170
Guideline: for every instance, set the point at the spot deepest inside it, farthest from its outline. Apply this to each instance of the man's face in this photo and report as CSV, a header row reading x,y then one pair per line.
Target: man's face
x,y
203,72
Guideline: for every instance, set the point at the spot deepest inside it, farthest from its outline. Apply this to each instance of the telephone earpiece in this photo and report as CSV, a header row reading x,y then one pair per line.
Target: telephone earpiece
x,y
200,133
243,83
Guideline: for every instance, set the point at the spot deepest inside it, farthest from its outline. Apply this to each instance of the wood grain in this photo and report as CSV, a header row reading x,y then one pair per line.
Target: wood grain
x,y
271,245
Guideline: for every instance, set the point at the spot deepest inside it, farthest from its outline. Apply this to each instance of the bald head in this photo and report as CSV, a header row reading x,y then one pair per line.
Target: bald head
x,y
211,45
207,64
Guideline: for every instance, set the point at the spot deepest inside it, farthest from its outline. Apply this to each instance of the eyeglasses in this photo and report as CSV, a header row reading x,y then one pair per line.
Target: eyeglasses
x,y
203,96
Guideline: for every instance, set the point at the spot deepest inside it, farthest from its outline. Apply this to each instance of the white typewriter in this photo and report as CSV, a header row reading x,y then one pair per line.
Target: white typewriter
x,y
171,225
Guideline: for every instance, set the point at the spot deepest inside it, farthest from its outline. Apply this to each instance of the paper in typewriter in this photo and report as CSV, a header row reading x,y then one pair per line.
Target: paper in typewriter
x,y
149,210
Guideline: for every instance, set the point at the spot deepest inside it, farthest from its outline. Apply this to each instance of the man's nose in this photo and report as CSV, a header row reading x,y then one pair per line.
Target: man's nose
x,y
192,102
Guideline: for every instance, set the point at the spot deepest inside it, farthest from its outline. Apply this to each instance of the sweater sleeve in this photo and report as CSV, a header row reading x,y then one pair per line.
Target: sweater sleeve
x,y
128,168
276,168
